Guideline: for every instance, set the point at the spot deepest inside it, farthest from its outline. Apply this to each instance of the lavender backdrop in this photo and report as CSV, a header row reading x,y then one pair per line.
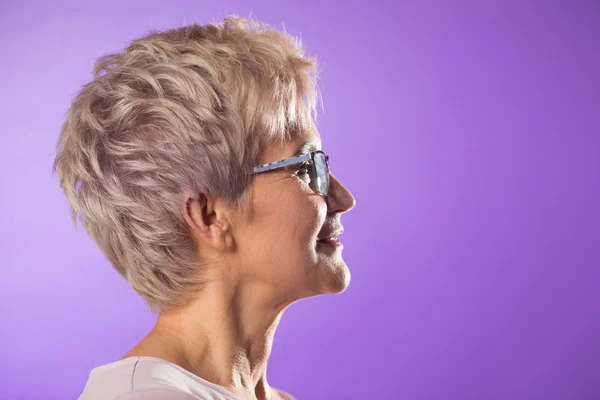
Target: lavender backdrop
x,y
469,134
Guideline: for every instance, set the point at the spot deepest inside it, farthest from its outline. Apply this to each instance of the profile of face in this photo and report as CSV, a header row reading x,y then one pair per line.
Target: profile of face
x,y
277,246
280,242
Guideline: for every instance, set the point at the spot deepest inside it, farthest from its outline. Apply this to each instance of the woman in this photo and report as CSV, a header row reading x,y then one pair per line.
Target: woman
x,y
193,161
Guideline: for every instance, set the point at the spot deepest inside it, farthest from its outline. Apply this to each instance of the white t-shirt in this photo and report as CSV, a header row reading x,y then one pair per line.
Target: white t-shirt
x,y
151,378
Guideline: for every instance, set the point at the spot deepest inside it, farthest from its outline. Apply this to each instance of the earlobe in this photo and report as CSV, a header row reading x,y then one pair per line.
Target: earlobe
x,y
218,236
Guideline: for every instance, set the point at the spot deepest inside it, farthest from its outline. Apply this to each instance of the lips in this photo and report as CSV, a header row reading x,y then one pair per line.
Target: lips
x,y
333,237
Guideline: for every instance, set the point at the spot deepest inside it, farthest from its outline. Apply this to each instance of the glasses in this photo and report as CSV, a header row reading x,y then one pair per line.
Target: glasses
x,y
316,163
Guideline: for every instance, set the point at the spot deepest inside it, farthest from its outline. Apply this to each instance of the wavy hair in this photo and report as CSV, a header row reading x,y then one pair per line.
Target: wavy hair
x,y
186,110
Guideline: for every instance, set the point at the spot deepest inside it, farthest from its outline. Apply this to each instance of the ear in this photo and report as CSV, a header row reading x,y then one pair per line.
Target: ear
x,y
208,220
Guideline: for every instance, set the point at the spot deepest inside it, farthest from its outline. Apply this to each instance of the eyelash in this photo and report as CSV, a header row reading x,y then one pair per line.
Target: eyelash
x,y
303,170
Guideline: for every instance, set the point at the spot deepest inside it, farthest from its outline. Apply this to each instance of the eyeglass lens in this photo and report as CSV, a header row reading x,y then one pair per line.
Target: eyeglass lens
x,y
322,173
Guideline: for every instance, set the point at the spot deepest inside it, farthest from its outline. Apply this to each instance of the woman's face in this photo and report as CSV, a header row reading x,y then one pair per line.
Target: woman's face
x,y
278,243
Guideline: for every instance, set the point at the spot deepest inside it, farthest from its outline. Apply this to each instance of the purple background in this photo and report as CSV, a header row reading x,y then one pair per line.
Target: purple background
x,y
469,134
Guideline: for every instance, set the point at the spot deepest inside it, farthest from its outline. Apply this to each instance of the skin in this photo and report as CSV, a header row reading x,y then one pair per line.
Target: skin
x,y
261,263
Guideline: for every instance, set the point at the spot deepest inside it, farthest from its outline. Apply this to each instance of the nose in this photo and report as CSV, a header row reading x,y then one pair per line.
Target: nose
x,y
339,198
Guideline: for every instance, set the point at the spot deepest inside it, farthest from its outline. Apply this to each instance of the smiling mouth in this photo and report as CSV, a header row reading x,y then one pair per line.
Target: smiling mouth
x,y
332,240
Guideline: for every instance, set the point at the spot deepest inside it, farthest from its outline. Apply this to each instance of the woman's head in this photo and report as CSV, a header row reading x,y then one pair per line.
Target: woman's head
x,y
188,113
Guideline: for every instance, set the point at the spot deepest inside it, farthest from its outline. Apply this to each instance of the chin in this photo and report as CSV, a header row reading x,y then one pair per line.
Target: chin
x,y
328,275
337,280
343,283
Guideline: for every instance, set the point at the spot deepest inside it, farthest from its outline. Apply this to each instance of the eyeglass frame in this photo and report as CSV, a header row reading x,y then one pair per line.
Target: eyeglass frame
x,y
286,162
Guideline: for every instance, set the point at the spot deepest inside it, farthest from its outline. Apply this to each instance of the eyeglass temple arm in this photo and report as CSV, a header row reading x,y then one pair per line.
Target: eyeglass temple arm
x,y
281,163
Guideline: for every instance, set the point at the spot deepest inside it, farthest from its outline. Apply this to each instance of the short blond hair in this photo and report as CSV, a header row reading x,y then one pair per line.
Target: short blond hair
x,y
185,110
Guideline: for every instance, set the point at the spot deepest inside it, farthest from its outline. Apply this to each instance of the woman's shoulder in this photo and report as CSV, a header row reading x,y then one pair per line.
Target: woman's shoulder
x,y
159,394
141,378
285,396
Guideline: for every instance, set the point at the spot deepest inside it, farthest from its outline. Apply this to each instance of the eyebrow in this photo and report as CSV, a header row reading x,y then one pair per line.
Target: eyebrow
x,y
307,147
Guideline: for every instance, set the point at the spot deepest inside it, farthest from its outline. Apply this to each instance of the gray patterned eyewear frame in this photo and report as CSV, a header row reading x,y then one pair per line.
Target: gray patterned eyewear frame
x,y
319,163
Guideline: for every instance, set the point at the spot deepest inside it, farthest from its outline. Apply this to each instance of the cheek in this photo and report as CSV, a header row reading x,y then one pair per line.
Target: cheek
x,y
294,221
308,221
318,214
289,219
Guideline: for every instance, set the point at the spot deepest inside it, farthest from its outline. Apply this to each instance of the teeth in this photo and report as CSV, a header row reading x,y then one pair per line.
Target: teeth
x,y
330,238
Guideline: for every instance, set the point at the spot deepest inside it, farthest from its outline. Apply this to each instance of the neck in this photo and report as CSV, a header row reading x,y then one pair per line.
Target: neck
x,y
224,336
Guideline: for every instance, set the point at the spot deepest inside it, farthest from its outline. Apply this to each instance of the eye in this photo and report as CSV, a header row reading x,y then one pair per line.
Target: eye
x,y
303,171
